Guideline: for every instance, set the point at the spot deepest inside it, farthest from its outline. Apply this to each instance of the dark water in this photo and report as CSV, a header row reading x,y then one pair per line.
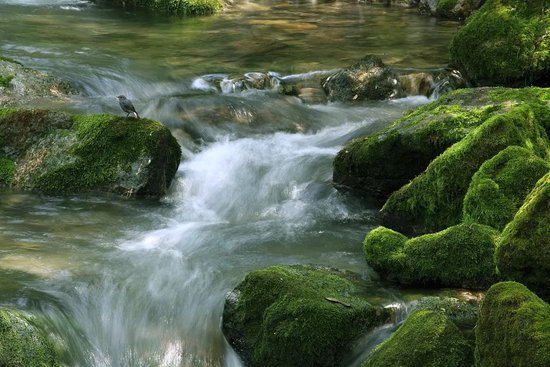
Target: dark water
x,y
131,283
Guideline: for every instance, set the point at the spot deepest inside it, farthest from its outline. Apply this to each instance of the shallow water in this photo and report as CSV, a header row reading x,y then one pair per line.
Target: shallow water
x,y
134,283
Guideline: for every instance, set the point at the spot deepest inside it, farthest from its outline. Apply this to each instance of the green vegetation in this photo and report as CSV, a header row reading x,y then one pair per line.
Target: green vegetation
x,y
505,43
459,256
434,200
463,314
513,328
172,7
7,171
297,316
500,186
5,80
523,252
22,343
427,338
446,5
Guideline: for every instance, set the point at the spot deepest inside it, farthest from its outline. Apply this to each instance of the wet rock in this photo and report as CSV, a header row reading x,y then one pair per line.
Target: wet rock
x,y
513,328
426,338
459,256
451,9
377,165
60,153
312,95
505,43
369,79
20,85
417,84
523,252
298,316
170,7
462,313
23,343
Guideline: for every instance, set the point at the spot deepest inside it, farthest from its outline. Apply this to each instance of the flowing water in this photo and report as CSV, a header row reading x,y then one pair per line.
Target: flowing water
x,y
134,283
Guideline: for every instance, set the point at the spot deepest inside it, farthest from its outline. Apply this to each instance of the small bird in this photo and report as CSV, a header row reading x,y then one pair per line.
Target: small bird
x,y
127,106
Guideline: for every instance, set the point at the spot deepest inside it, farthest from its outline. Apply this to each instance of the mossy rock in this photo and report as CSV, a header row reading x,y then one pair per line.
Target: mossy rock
x,y
298,316
459,256
523,252
513,328
377,165
170,7
434,200
450,9
501,184
505,43
368,79
23,343
426,338
60,153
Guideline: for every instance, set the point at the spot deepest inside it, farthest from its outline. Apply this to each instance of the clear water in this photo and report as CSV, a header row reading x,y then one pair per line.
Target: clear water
x,y
133,283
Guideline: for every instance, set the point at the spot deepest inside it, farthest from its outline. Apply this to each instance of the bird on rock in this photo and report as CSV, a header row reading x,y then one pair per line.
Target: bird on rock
x,y
127,106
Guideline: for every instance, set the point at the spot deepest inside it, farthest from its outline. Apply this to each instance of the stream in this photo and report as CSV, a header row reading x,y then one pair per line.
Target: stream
x,y
136,283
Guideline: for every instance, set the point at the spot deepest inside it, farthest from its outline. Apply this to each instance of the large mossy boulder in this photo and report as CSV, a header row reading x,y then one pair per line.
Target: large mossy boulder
x,y
513,328
170,7
434,200
505,43
381,163
298,316
426,338
501,185
523,252
59,153
23,343
368,79
459,256
451,9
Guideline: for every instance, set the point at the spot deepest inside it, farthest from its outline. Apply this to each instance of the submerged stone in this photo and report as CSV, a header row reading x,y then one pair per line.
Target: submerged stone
x,y
459,256
298,316
23,344
523,252
426,338
59,153
513,328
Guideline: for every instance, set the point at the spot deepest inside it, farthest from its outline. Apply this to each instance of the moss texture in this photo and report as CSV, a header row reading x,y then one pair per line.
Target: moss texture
x,y
297,316
463,314
500,186
505,43
172,7
434,200
459,256
381,163
7,171
22,343
426,338
513,328
523,252
5,80
60,153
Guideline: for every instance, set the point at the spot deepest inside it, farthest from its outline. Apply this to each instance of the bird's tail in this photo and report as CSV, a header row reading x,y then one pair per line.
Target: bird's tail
x,y
137,115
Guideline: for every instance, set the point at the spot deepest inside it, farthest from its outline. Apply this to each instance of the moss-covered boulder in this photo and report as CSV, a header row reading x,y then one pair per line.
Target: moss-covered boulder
x,y
462,313
381,163
459,256
451,9
20,85
170,7
367,79
523,252
298,316
60,153
426,338
505,43
501,184
513,328
23,343
434,200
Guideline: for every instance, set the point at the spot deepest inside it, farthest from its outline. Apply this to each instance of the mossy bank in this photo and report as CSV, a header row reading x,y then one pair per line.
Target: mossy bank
x,y
170,7
59,153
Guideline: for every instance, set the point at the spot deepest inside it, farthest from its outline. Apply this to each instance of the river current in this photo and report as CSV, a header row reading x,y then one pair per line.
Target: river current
x,y
135,283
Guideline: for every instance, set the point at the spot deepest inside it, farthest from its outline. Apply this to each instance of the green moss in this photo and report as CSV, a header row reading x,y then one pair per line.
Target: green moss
x,y
173,7
463,314
7,171
513,328
505,43
501,184
297,316
6,112
22,343
459,256
434,199
523,252
446,5
5,80
426,338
